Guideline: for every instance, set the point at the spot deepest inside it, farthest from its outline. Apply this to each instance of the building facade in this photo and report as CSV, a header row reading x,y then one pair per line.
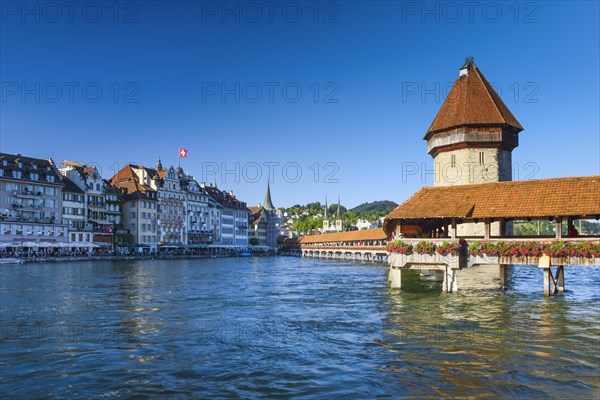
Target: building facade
x,y
102,211
30,200
233,224
140,204
265,222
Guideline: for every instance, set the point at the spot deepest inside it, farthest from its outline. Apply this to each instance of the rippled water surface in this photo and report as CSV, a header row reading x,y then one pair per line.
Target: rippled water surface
x,y
289,327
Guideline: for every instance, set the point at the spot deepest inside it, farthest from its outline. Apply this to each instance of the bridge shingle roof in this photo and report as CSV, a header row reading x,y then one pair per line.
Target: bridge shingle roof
x,y
554,197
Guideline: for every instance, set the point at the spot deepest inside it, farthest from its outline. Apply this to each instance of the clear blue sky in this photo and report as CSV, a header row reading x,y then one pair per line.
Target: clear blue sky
x,y
176,66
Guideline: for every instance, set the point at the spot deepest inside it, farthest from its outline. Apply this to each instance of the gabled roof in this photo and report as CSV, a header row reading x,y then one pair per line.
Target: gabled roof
x,y
555,197
472,101
70,186
29,165
351,236
127,180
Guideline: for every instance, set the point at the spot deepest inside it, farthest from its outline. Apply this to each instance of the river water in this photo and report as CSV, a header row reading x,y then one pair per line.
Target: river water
x,y
289,327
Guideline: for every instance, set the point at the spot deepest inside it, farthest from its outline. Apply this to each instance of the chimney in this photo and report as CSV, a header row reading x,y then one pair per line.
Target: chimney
x,y
203,185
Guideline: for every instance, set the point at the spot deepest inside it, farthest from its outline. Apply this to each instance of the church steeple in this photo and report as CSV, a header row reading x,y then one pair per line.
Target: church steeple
x,y
339,223
268,204
326,217
159,166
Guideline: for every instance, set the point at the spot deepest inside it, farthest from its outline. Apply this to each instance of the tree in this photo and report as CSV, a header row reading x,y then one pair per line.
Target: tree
x,y
254,241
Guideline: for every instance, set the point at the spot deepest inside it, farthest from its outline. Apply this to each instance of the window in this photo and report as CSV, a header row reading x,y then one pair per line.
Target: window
x,y
133,214
481,158
17,174
34,177
50,178
49,191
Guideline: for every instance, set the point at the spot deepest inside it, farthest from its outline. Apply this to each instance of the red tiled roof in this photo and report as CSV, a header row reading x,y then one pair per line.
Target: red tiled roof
x,y
577,196
472,102
351,236
127,179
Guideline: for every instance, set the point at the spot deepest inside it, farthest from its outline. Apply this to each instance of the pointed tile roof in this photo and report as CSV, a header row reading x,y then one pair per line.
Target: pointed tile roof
x,y
268,204
472,101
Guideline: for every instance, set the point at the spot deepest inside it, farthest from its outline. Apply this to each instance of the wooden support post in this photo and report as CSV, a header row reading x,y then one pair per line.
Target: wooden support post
x,y
560,278
547,278
453,229
449,284
558,228
487,227
396,278
503,276
544,263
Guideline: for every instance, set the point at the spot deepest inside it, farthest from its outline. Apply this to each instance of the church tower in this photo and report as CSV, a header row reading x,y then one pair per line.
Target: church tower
x,y
326,218
339,227
268,203
472,137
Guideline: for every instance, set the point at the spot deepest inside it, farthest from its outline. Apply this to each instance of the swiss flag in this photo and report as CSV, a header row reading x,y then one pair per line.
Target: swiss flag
x,y
182,152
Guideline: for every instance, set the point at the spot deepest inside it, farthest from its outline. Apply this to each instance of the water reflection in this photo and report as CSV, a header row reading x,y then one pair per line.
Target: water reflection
x,y
283,327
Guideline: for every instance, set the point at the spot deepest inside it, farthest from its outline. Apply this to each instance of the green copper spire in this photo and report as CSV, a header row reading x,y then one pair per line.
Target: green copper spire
x,y
268,204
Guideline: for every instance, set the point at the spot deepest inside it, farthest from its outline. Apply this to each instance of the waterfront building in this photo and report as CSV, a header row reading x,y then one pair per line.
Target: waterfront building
x,y
199,226
140,204
73,213
102,212
30,200
172,227
265,221
234,217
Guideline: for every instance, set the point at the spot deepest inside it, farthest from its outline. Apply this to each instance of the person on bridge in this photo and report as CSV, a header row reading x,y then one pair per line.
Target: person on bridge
x,y
573,232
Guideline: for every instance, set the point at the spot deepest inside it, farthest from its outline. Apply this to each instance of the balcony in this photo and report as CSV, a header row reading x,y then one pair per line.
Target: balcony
x,y
26,194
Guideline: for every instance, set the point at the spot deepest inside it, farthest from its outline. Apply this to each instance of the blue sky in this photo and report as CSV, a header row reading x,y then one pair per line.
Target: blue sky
x,y
347,89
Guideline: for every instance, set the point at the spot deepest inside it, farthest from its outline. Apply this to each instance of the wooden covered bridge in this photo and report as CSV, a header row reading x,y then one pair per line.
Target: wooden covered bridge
x,y
364,245
471,225
446,231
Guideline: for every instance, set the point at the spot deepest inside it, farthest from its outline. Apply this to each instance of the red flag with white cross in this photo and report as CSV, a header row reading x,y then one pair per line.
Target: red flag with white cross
x,y
182,152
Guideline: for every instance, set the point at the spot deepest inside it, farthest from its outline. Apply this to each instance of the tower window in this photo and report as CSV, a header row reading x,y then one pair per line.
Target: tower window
x,y
481,158
453,160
